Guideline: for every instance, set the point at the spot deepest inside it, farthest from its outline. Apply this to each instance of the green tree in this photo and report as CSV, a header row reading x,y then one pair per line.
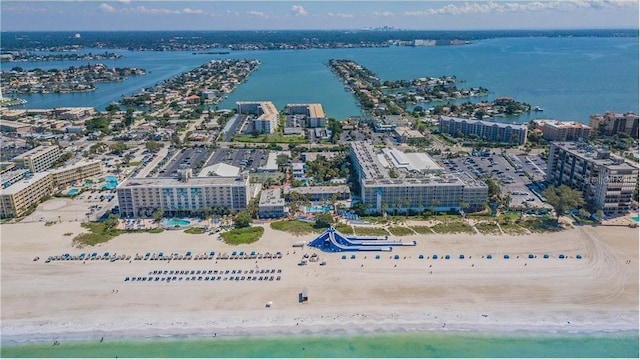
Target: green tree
x,y
157,215
323,220
563,198
153,146
243,219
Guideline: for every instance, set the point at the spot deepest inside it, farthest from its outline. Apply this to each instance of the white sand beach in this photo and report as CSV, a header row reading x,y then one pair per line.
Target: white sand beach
x,y
75,300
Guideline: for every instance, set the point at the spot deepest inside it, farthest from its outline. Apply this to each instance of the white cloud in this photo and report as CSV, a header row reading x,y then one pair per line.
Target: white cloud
x,y
341,15
298,10
106,8
257,14
384,13
508,7
127,2
193,11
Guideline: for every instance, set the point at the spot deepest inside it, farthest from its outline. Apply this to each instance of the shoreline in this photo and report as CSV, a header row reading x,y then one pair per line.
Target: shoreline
x,y
76,301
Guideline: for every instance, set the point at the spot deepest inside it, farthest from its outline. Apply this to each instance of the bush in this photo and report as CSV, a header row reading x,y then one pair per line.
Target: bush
x,y
243,235
401,231
194,230
295,227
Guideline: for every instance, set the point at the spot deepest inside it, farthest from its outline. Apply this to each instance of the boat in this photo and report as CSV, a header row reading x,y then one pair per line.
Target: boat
x,y
538,109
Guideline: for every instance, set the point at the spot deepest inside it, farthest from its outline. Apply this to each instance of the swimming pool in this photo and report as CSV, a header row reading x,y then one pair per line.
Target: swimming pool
x,y
318,209
173,222
112,182
73,191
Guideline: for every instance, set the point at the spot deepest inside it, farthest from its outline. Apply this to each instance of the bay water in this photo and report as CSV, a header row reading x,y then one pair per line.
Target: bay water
x,y
570,77
400,345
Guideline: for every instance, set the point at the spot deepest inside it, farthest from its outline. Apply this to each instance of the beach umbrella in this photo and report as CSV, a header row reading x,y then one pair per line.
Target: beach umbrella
x,y
531,256
148,254
545,256
353,256
212,253
435,256
188,253
461,256
421,257
561,256
396,257
579,256
447,257
489,256
94,254
344,257
106,254
506,256
378,256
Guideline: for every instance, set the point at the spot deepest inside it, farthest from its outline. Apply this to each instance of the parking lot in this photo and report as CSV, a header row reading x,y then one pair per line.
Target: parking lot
x,y
186,158
245,159
512,180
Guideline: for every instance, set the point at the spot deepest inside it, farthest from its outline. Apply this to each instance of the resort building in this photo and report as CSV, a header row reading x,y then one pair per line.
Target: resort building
x,y
606,181
271,204
321,193
12,176
76,172
266,112
19,197
314,113
182,196
489,131
407,135
611,123
38,159
391,180
564,131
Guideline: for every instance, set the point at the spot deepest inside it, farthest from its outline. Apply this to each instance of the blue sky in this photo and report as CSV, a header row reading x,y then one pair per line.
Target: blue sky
x,y
77,15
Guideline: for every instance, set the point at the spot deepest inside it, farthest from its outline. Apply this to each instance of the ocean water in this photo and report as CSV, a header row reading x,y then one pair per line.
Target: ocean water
x,y
570,77
406,345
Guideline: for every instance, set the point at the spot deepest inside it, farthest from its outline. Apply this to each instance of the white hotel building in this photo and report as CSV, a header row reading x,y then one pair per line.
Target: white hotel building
x,y
395,181
186,195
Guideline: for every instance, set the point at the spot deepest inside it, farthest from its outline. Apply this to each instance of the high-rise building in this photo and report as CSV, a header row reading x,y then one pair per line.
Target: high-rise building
x,y
391,180
606,181
185,195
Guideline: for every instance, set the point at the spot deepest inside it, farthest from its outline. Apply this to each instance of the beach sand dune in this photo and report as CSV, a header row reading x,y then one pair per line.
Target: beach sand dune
x,y
72,299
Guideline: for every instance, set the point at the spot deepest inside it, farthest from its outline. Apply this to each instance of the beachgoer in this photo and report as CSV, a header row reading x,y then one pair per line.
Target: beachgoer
x,y
101,339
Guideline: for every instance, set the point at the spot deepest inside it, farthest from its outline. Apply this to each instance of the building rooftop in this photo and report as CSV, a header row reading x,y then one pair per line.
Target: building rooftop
x,y
176,182
26,182
221,170
318,189
34,152
600,156
74,165
562,124
485,123
271,197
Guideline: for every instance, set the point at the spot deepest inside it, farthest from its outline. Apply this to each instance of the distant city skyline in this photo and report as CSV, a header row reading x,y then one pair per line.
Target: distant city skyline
x,y
89,15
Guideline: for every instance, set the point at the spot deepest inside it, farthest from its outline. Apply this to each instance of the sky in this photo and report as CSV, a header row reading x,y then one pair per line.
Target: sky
x,y
88,15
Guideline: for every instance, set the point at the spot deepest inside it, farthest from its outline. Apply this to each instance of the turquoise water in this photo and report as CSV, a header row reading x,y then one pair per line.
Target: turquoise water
x,y
317,209
636,218
112,182
374,346
73,191
178,222
571,78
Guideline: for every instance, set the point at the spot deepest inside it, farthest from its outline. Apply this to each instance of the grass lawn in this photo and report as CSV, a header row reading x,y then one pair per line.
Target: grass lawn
x,y
242,235
295,227
422,229
512,228
98,233
488,228
194,230
453,227
344,228
401,231
370,231
541,224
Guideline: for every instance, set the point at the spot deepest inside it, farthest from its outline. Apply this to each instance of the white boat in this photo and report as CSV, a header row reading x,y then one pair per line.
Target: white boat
x,y
538,109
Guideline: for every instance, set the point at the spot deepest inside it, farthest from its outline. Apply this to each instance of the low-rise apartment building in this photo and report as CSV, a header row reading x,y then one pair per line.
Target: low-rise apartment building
x,y
611,123
19,197
489,131
76,172
606,181
314,113
38,159
266,112
271,204
564,131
